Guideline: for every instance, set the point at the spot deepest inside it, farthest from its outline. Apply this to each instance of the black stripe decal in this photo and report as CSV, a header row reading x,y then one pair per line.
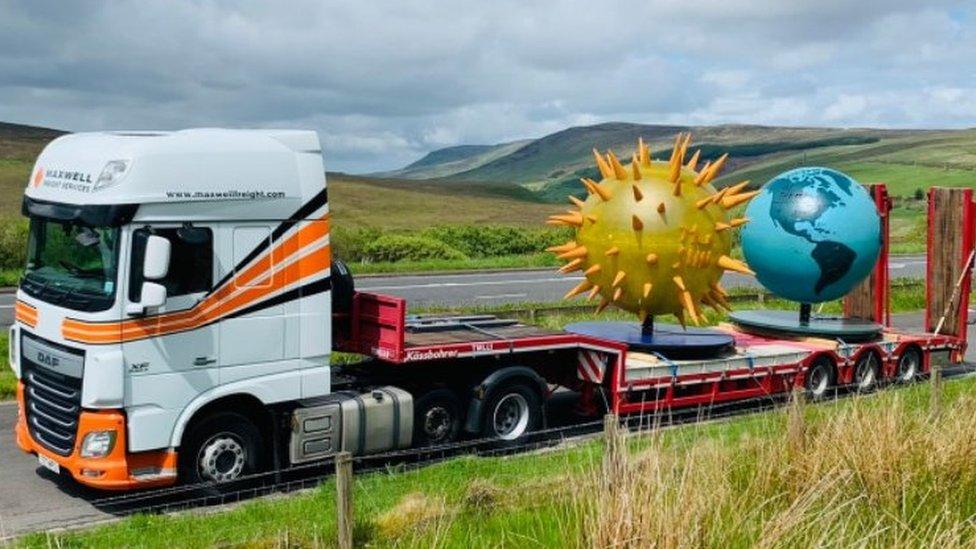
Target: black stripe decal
x,y
306,210
312,288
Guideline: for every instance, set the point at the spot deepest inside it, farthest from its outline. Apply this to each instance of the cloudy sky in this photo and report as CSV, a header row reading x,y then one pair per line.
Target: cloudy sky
x,y
386,81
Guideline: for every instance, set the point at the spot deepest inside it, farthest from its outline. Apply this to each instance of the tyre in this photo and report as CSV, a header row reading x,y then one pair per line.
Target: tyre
x,y
867,371
221,448
437,418
511,412
820,378
909,366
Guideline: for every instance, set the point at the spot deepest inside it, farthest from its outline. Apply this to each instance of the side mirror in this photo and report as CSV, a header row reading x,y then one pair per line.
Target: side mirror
x,y
155,263
153,295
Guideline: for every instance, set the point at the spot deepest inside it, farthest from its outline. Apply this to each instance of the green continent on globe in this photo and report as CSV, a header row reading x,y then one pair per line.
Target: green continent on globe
x,y
815,234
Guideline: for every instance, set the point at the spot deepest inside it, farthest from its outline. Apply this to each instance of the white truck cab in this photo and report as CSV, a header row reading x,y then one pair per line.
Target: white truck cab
x,y
171,276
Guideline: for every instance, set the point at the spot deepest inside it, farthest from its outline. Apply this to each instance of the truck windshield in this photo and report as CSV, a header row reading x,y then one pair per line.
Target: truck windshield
x,y
72,265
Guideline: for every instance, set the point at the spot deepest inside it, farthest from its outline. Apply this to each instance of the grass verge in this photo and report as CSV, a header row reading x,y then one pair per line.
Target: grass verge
x,y
869,471
527,261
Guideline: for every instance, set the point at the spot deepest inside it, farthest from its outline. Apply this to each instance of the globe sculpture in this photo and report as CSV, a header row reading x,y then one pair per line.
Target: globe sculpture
x,y
814,234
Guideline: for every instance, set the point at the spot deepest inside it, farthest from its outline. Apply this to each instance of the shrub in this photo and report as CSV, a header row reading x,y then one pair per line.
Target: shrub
x,y
395,247
350,244
496,240
13,243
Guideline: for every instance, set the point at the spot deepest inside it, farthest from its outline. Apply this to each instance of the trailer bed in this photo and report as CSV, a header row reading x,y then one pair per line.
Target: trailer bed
x,y
381,328
427,330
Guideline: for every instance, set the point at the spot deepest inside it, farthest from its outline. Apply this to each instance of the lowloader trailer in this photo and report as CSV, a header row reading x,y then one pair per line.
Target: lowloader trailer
x,y
180,305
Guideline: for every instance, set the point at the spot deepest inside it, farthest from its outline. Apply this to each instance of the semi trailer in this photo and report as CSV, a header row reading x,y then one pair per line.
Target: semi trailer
x,y
180,306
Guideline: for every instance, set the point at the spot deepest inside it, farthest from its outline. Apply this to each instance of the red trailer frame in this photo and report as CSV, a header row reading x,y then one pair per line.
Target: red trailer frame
x,y
636,382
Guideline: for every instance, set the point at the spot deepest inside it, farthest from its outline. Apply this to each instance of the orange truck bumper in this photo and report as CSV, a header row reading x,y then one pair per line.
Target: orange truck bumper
x,y
118,470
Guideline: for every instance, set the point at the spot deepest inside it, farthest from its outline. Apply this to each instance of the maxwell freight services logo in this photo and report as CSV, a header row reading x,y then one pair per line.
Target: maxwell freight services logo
x,y
63,179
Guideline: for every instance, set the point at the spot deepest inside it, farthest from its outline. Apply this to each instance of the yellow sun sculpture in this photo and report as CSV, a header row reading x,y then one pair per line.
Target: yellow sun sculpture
x,y
654,237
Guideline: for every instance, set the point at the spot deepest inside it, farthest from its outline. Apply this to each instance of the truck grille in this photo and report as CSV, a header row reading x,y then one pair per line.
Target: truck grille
x,y
53,406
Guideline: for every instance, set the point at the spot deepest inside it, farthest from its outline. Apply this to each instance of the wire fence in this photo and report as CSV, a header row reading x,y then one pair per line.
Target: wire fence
x,y
206,497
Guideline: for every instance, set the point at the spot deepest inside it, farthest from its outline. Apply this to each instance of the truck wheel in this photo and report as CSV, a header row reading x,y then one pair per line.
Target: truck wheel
x,y
866,373
510,412
909,366
820,378
221,448
437,418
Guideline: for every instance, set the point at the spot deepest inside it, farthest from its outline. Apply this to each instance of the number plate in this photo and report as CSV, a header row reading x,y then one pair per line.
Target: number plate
x,y
49,464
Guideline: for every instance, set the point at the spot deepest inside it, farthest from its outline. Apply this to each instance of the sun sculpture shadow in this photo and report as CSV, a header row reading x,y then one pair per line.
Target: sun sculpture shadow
x,y
654,237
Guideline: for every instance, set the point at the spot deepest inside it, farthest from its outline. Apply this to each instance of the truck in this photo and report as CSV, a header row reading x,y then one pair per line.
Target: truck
x,y
180,307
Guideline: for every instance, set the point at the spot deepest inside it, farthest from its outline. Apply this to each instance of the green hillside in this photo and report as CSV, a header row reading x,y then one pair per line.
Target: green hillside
x,y
904,159
519,183
557,157
444,163
19,145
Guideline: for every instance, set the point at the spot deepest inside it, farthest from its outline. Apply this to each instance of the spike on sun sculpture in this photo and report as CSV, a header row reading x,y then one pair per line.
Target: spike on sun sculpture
x,y
654,237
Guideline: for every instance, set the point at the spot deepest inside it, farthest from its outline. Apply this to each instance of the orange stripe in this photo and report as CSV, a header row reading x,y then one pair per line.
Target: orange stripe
x,y
310,233
179,321
309,265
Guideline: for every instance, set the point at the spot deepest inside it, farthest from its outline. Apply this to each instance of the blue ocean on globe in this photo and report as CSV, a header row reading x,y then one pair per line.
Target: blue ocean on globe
x,y
813,234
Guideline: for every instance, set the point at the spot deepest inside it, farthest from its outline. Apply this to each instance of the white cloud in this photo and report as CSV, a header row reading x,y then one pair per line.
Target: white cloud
x,y
386,81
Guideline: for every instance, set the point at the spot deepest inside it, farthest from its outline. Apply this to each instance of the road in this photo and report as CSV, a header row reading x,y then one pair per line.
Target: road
x,y
33,499
537,286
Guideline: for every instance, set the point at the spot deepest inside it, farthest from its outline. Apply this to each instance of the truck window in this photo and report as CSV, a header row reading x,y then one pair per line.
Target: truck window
x,y
190,261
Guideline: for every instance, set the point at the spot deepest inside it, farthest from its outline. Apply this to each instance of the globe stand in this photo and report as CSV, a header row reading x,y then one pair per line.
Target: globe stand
x,y
786,323
805,314
668,340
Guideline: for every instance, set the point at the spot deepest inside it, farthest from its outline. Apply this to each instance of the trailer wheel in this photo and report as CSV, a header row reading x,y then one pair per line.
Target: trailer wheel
x,y
866,372
221,448
820,378
511,411
437,418
909,365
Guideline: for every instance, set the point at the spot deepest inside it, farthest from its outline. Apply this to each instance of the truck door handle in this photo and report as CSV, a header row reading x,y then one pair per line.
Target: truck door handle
x,y
203,361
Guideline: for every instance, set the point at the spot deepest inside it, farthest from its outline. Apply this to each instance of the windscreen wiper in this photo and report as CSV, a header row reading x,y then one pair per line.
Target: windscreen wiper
x,y
79,272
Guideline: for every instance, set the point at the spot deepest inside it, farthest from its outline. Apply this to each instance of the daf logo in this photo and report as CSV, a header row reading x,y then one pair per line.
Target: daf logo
x,y
47,360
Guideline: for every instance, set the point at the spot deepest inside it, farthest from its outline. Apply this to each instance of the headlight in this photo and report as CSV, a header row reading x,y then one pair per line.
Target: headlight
x,y
111,174
98,444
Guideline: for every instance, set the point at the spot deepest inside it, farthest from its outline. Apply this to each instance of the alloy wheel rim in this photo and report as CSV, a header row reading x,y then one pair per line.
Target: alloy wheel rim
x,y
437,423
222,458
511,416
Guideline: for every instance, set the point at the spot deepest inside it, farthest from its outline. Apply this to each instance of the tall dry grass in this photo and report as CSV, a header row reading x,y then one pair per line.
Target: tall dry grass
x,y
867,476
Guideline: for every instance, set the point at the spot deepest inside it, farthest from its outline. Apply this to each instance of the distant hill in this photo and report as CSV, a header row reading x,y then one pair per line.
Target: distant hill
x,y
552,165
21,142
21,131
19,146
452,160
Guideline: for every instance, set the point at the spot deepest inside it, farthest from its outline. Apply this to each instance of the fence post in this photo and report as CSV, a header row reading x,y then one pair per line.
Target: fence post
x,y
343,472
